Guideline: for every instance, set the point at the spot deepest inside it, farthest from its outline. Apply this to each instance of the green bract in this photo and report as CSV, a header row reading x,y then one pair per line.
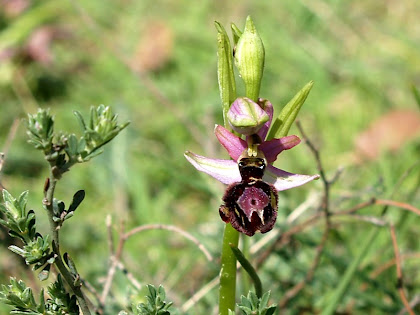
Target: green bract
x,y
283,122
225,75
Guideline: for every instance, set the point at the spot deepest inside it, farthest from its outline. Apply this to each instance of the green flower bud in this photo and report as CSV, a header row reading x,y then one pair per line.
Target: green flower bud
x,y
246,117
249,59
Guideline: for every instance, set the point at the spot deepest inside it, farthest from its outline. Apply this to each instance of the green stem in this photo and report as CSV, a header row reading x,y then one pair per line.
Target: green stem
x,y
68,277
48,202
228,271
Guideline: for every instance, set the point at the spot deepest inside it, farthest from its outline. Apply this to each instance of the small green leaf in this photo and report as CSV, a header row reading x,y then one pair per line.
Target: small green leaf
x,y
17,250
287,116
11,205
70,263
22,201
264,299
161,292
254,299
81,146
72,146
271,309
152,291
245,301
77,199
80,120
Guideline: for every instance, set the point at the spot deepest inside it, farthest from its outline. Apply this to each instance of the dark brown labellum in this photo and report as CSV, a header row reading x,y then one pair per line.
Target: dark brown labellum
x,y
251,204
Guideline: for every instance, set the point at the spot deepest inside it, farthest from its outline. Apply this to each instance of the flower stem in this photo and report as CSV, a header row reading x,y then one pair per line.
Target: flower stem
x,y
68,277
227,288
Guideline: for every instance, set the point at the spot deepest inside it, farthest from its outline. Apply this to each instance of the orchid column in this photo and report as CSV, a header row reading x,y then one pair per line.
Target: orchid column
x,y
250,201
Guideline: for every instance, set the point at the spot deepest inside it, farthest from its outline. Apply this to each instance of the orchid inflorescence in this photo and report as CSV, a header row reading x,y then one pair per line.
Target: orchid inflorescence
x,y
250,200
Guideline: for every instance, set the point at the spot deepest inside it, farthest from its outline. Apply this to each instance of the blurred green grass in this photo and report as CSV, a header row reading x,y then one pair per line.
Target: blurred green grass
x,y
364,58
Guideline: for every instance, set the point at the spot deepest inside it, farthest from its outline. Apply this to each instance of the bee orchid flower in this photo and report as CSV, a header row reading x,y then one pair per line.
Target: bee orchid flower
x,y
247,207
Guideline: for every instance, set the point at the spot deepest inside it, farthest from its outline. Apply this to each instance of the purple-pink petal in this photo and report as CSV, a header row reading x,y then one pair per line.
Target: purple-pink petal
x,y
225,171
274,147
283,180
232,143
268,108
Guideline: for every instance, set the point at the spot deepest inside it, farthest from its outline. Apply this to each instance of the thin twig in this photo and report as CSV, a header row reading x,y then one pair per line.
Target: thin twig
x,y
356,208
110,238
284,238
90,288
384,202
391,263
116,257
325,181
129,275
369,219
400,286
114,263
173,229
398,204
200,294
326,210
413,303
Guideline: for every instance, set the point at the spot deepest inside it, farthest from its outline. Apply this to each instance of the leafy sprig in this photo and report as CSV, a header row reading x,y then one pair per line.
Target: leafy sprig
x,y
101,128
62,150
155,303
252,305
21,297
20,223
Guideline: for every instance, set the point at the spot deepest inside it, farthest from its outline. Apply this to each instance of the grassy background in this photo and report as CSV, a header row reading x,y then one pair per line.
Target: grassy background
x,y
154,62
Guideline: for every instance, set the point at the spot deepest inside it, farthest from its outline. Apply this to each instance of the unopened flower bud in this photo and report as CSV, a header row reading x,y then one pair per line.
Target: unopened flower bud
x,y
246,117
249,59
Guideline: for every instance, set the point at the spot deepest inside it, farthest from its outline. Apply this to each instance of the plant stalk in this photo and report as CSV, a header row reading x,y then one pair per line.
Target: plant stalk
x,y
68,277
227,290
